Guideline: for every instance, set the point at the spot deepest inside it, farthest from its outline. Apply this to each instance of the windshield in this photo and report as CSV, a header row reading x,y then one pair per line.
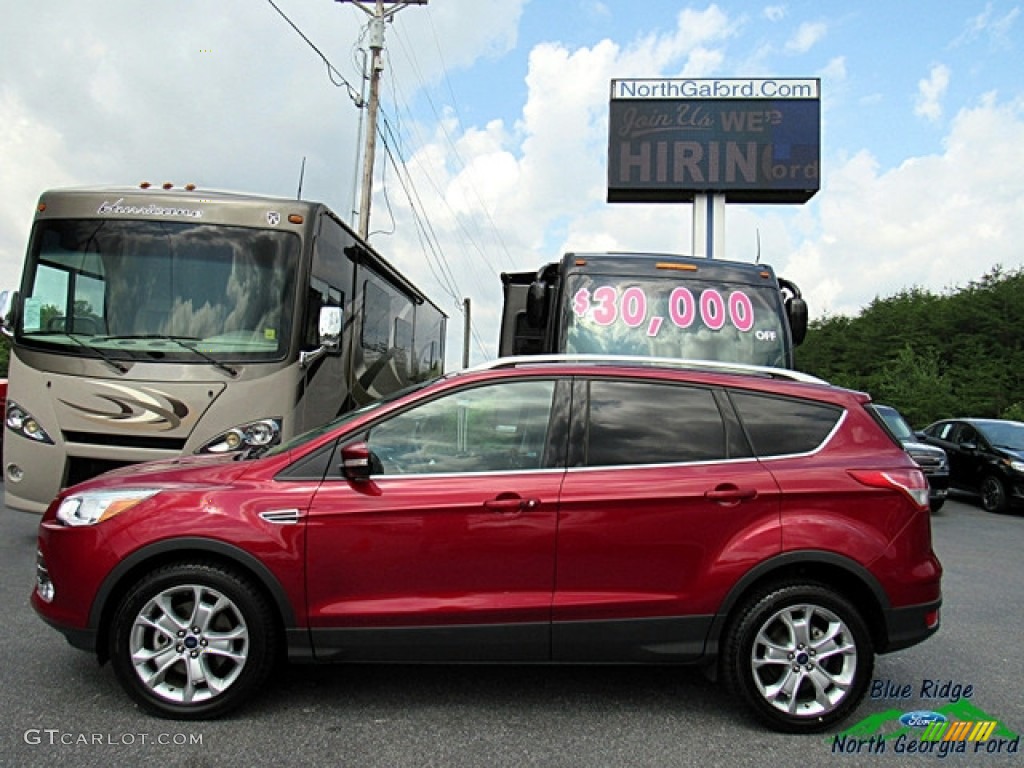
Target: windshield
x,y
896,423
669,317
138,289
1005,434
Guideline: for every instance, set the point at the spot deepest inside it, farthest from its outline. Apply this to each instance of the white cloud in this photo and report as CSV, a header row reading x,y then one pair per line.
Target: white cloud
x,y
931,91
997,29
935,221
806,37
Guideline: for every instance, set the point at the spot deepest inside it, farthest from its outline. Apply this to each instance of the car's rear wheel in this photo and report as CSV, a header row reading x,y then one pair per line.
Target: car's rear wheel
x,y
993,494
800,656
936,504
192,641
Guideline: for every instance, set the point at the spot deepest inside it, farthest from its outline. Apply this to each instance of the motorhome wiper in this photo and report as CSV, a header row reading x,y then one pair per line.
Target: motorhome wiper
x,y
117,365
181,341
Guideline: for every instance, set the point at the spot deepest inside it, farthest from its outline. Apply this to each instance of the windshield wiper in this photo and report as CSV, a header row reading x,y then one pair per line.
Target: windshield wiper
x,y
117,365
1008,447
181,341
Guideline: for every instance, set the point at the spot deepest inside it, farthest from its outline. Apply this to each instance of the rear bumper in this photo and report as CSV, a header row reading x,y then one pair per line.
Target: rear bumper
x,y
910,625
938,485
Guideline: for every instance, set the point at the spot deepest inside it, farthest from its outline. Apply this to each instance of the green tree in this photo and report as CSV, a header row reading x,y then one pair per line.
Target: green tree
x,y
933,356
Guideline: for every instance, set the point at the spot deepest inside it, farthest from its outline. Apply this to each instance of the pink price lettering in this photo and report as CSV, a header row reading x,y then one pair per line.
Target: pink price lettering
x,y
606,306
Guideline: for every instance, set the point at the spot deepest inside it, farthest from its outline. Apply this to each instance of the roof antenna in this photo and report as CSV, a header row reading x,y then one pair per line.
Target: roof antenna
x,y
302,174
758,259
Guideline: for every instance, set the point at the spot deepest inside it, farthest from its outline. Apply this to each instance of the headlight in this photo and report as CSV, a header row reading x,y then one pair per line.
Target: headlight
x,y
93,507
256,434
24,423
1017,466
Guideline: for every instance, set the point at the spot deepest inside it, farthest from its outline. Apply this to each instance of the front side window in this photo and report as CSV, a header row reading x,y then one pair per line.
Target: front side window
x,y
138,289
645,423
493,428
671,317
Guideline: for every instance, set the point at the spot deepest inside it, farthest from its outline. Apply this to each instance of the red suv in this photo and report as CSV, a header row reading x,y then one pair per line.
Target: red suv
x,y
532,510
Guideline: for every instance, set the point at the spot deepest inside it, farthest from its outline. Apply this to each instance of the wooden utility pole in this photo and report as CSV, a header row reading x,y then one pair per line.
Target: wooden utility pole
x,y
380,13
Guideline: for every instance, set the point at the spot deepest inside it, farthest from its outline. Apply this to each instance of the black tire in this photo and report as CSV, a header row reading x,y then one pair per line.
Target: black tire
x,y
779,638
993,494
936,504
193,641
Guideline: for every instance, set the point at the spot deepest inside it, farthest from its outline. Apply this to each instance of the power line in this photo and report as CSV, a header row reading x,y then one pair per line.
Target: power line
x,y
353,94
458,160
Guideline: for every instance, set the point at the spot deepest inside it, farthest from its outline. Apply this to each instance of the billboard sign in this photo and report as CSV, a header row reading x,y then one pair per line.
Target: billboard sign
x,y
753,140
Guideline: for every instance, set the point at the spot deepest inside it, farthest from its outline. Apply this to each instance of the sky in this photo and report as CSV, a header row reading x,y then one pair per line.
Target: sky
x,y
495,129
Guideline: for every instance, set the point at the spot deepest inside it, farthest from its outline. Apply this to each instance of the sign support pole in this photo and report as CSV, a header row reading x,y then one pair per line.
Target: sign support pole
x,y
708,226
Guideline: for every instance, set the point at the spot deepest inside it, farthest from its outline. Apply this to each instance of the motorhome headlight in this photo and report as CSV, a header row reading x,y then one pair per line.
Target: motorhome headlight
x,y
91,507
256,434
24,423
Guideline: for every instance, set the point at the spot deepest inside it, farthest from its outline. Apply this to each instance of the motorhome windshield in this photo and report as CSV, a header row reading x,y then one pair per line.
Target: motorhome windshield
x,y
664,317
159,290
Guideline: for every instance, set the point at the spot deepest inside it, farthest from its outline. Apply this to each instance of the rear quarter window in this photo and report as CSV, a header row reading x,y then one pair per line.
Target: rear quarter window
x,y
781,426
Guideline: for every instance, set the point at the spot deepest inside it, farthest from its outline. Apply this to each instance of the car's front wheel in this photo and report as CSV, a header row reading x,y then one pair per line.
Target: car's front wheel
x,y
192,640
800,656
993,494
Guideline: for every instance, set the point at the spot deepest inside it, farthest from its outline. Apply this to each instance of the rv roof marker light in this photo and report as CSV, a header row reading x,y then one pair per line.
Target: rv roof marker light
x,y
679,267
145,185
581,262
295,218
167,185
190,187
41,207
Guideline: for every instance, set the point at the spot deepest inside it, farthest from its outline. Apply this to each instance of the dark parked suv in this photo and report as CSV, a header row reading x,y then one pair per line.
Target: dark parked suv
x,y
986,457
932,459
531,510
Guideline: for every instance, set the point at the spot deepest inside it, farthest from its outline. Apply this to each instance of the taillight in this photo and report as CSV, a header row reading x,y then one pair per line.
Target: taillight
x,y
910,481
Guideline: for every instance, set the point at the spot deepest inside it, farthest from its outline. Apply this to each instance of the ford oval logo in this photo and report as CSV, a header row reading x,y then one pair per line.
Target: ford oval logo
x,y
921,718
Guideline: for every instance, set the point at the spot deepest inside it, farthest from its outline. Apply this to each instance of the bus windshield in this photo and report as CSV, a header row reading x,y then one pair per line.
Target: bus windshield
x,y
159,290
666,317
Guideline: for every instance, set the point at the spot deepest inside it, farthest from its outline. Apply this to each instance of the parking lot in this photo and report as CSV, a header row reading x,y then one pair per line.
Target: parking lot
x,y
60,707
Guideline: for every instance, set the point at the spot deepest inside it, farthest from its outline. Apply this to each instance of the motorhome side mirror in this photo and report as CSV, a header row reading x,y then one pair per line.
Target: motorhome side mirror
x,y
537,304
330,329
796,309
356,464
8,303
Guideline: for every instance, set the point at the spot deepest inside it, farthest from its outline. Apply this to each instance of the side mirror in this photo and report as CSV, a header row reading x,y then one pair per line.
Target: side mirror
x,y
328,336
8,305
330,328
356,464
537,304
796,310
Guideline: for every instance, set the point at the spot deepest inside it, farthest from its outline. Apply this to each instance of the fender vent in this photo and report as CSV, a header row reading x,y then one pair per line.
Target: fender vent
x,y
282,516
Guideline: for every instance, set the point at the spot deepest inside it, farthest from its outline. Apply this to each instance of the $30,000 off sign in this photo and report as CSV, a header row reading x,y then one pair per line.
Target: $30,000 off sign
x,y
606,306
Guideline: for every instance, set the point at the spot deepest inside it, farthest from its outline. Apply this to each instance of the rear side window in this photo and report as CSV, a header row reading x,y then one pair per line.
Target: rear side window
x,y
780,426
648,423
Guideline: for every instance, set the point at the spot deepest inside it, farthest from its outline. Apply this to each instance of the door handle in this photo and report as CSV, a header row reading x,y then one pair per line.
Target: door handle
x,y
510,503
726,494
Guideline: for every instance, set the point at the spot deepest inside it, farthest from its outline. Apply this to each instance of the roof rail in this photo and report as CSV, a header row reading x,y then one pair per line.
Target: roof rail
x,y
658,362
